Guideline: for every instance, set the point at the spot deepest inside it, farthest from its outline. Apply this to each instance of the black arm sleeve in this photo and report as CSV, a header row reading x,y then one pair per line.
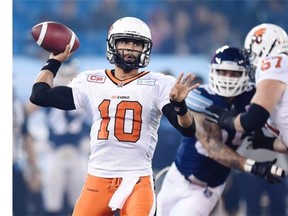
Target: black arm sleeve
x,y
255,118
169,112
60,97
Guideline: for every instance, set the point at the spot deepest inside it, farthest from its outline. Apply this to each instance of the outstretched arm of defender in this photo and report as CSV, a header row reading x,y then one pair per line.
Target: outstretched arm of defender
x,y
210,136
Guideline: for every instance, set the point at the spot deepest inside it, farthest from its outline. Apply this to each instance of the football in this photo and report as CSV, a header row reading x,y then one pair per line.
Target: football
x,y
53,37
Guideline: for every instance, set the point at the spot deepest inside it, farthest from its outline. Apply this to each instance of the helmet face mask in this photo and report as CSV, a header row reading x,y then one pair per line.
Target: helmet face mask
x,y
129,28
227,60
263,40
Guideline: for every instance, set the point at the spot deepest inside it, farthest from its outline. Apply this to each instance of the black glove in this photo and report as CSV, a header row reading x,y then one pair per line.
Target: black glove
x,y
259,140
221,116
267,170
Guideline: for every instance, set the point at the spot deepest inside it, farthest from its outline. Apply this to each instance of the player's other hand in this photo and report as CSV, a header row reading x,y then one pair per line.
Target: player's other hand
x,y
261,141
182,87
221,116
267,170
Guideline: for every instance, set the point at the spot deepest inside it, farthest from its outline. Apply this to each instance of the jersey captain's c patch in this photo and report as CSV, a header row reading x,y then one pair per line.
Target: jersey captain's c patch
x,y
96,78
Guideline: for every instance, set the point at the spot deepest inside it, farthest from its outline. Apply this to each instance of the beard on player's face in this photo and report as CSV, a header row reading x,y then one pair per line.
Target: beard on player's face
x,y
128,55
128,59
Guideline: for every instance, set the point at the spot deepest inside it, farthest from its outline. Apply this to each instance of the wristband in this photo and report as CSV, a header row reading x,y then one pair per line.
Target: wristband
x,y
248,165
52,65
180,107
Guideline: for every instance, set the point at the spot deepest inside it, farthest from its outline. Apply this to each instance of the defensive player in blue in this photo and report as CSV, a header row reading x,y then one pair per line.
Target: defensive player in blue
x,y
195,180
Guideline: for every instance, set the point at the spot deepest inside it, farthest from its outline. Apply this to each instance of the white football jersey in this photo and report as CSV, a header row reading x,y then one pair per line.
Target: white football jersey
x,y
276,67
125,119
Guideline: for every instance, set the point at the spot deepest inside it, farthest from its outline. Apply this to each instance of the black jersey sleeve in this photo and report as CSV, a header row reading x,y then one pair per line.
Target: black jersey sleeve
x,y
170,113
60,97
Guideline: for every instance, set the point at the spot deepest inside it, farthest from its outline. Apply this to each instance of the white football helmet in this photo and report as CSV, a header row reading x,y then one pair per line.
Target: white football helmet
x,y
231,59
265,39
130,28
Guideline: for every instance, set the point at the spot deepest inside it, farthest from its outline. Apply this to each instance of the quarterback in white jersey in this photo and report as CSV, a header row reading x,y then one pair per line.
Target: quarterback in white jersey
x,y
125,106
267,49
126,116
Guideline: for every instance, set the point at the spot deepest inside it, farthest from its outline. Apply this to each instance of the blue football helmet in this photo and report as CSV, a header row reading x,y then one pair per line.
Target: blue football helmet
x,y
230,59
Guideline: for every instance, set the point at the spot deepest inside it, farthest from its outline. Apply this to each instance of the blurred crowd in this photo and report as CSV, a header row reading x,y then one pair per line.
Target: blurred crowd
x,y
178,27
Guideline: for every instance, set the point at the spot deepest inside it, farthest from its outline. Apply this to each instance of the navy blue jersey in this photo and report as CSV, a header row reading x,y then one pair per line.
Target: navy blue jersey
x,y
191,157
67,127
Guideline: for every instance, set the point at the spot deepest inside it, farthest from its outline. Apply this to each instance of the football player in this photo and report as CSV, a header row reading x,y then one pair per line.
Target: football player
x,y
196,179
267,47
126,106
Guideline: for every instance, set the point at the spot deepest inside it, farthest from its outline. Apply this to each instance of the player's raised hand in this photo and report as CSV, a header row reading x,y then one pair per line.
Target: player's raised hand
x,y
182,87
61,57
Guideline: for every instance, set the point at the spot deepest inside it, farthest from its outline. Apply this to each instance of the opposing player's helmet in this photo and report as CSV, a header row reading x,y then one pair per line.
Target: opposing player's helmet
x,y
129,28
232,59
265,39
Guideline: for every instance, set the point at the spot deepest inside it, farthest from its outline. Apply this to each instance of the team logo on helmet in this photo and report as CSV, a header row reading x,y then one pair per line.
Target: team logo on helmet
x,y
257,37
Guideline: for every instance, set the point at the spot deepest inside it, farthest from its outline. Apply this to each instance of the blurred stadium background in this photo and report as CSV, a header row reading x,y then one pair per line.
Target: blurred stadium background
x,y
185,34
